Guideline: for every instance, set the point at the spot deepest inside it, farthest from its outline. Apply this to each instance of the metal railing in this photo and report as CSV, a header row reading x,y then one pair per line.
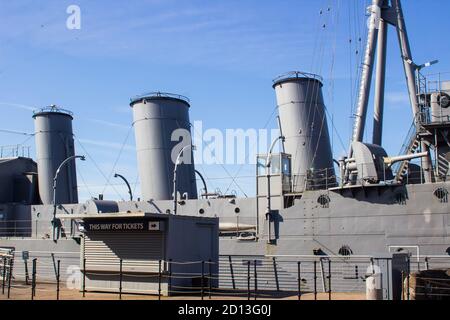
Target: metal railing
x,y
15,151
157,94
53,108
34,229
297,75
244,277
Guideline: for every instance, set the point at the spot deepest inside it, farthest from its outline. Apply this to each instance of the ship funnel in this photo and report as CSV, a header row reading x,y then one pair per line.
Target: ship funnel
x,y
304,125
54,144
162,131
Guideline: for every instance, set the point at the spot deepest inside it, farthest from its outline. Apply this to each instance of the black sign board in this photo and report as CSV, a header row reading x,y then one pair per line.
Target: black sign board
x,y
124,225
25,255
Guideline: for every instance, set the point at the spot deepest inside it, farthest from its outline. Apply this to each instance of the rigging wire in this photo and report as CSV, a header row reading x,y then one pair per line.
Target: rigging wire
x,y
225,169
117,159
17,132
247,156
85,185
95,164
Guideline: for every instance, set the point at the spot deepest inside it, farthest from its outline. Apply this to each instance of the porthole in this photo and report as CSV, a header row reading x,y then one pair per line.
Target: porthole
x,y
324,201
201,211
345,251
237,210
441,194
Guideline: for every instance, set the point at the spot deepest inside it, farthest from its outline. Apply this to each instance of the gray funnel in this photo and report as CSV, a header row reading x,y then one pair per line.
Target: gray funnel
x,y
54,144
304,125
162,129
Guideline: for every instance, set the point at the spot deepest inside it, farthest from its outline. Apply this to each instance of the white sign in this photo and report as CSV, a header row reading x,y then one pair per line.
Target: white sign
x,y
153,226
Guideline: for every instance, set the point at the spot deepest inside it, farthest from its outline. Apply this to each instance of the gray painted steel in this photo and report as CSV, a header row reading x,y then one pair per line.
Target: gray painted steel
x,y
54,144
304,125
18,180
367,70
380,84
156,118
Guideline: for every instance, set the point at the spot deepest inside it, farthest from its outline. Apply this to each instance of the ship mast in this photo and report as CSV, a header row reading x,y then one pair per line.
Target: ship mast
x,y
382,14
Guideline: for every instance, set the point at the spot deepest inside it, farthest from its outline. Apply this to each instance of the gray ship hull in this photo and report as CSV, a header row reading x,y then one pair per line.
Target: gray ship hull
x,y
373,220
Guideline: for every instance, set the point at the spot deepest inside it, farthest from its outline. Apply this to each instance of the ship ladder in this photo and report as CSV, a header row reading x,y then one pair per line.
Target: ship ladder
x,y
403,169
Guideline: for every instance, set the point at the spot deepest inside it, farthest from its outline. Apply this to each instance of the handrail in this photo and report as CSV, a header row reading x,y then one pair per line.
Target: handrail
x,y
297,75
158,94
53,108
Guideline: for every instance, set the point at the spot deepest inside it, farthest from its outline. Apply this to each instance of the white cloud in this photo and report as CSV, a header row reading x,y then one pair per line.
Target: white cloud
x,y
17,106
397,98
107,144
109,124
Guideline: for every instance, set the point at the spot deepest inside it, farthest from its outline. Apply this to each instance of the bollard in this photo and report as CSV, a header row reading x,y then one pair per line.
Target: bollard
x,y
120,280
210,279
57,279
329,279
33,279
203,278
232,273
248,279
159,280
256,282
84,277
299,281
315,280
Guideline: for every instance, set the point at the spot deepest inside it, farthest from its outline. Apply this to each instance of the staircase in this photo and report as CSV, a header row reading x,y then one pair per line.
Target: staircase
x,y
408,148
443,166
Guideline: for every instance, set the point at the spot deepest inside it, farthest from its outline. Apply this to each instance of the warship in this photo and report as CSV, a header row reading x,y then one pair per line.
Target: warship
x,y
307,202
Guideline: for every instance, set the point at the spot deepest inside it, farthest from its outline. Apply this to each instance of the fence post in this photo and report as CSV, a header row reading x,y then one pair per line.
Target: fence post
x,y
248,279
159,280
57,280
4,275
120,280
84,277
54,264
33,279
299,281
203,278
170,277
210,278
11,262
403,285
256,282
407,280
232,273
315,280
276,273
25,261
329,279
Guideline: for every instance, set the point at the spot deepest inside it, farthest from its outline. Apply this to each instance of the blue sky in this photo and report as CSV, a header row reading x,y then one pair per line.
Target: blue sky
x,y
223,55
